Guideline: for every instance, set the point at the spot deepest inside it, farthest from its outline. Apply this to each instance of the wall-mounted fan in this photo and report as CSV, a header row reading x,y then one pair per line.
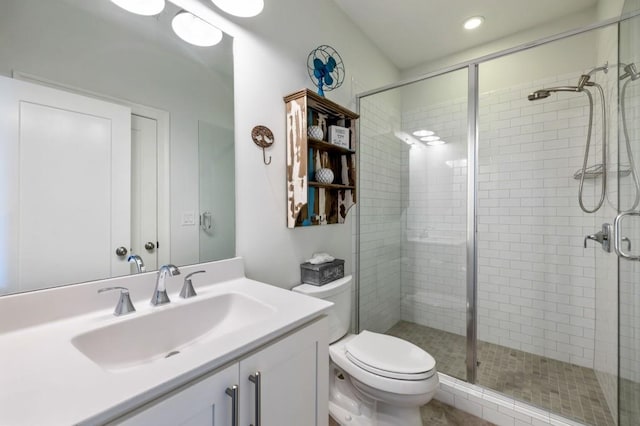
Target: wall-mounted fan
x,y
326,68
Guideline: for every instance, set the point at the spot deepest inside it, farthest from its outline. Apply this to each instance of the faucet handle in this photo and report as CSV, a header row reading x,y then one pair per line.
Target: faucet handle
x,y
187,288
124,306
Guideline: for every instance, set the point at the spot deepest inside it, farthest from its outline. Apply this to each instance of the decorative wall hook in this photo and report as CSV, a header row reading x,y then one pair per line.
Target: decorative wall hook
x,y
263,137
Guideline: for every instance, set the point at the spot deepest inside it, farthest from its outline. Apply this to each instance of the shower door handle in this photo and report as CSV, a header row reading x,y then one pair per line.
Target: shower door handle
x,y
617,240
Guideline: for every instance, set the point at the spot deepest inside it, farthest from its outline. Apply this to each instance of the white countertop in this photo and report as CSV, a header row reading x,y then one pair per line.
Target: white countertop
x,y
45,380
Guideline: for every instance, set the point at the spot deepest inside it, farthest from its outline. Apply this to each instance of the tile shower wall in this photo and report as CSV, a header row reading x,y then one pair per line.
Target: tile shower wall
x,y
380,215
434,248
536,284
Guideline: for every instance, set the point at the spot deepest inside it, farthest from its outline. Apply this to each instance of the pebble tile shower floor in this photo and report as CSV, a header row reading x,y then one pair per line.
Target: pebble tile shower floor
x,y
560,387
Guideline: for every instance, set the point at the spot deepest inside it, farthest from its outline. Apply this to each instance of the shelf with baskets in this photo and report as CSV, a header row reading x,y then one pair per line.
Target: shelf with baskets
x,y
312,197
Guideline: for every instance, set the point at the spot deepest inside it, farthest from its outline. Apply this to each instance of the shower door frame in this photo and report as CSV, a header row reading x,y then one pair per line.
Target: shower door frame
x,y
472,67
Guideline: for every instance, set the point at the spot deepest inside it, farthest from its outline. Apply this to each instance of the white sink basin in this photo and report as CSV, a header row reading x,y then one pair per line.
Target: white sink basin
x,y
139,340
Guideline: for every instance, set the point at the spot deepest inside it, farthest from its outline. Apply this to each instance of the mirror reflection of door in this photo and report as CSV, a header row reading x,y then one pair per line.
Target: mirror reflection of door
x,y
144,191
216,159
66,201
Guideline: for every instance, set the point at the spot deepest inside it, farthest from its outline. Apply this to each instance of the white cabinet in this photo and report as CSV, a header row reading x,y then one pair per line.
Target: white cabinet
x,y
291,382
204,402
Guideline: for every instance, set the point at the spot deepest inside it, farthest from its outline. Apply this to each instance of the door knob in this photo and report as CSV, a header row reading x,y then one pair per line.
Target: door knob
x,y
121,251
149,246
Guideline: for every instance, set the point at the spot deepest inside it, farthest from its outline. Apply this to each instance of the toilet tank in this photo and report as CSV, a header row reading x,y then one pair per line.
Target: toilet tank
x,y
338,292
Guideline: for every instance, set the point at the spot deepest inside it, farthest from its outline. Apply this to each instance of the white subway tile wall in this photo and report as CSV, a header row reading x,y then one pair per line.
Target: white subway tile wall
x,y
536,284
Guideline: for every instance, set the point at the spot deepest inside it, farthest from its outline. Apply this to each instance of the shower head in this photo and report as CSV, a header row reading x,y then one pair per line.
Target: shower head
x,y
539,94
545,93
630,71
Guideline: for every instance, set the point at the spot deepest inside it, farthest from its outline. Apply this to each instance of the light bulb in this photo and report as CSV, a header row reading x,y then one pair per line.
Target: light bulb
x,y
241,8
141,7
473,22
194,30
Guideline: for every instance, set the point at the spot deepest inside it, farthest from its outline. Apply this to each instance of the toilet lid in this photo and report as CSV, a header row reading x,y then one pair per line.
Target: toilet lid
x,y
390,356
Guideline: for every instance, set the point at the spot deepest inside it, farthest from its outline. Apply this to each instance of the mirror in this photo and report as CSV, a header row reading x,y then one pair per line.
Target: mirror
x,y
116,136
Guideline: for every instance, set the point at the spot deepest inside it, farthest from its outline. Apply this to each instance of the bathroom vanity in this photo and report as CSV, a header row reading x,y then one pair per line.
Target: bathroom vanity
x,y
240,352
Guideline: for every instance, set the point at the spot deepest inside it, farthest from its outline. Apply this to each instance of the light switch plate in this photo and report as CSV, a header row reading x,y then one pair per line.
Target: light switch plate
x,y
188,218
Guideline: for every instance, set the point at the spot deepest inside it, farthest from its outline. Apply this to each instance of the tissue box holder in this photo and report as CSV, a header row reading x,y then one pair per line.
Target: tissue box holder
x,y
322,273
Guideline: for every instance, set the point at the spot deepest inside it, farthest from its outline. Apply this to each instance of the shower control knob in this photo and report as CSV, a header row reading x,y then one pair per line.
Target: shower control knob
x,y
121,251
149,246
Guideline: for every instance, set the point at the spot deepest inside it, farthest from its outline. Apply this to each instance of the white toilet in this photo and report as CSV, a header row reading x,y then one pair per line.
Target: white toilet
x,y
375,379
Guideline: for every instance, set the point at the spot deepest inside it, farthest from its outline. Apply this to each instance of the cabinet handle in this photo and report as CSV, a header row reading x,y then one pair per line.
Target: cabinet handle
x,y
257,379
233,393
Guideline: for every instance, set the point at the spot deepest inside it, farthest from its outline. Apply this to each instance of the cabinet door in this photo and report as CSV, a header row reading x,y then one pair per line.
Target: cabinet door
x,y
204,403
294,374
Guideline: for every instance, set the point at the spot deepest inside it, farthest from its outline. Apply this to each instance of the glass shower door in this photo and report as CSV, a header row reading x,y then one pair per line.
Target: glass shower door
x,y
629,223
413,216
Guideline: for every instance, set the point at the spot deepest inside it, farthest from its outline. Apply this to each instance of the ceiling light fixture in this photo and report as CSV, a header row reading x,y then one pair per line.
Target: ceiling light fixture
x,y
435,143
473,22
194,30
430,138
422,133
141,7
241,8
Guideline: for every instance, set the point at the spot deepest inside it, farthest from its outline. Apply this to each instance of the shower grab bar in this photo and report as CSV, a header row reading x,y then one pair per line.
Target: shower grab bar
x,y
617,240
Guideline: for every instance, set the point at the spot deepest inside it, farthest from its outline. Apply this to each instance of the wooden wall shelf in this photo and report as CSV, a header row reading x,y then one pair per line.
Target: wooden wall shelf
x,y
310,202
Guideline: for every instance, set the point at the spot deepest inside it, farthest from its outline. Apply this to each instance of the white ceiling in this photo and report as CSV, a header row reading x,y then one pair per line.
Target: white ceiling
x,y
412,32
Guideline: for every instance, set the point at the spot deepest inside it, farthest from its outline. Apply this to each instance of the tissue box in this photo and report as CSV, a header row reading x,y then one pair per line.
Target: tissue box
x,y
322,273
339,136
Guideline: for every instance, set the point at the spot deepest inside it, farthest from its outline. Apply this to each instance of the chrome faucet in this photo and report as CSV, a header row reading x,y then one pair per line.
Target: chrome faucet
x,y
124,305
134,258
187,288
160,293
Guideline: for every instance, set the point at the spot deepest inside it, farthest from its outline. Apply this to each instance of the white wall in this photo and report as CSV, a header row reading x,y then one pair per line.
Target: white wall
x,y
270,55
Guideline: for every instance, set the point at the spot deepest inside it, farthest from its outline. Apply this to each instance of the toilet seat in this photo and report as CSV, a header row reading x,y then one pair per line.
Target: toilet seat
x,y
338,354
389,356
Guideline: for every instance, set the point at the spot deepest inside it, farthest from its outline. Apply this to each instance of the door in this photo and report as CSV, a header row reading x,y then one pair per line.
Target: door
x,y
65,187
216,192
144,191
205,403
627,232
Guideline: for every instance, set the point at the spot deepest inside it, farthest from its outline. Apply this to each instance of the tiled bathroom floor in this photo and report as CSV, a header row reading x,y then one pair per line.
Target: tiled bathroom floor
x,y
560,387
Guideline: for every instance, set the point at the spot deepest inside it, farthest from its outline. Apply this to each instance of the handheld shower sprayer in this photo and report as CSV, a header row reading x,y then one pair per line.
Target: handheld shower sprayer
x,y
582,87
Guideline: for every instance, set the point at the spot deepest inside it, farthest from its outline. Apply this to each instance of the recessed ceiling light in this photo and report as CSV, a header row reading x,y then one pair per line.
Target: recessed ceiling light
x,y
434,143
422,133
430,138
473,22
241,8
141,7
194,30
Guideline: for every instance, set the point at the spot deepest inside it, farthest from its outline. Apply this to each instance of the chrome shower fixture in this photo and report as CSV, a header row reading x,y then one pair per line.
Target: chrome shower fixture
x,y
545,93
582,87
630,71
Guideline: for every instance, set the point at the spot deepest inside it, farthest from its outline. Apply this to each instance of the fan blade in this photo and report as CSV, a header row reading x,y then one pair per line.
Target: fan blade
x,y
317,73
328,80
318,64
331,64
